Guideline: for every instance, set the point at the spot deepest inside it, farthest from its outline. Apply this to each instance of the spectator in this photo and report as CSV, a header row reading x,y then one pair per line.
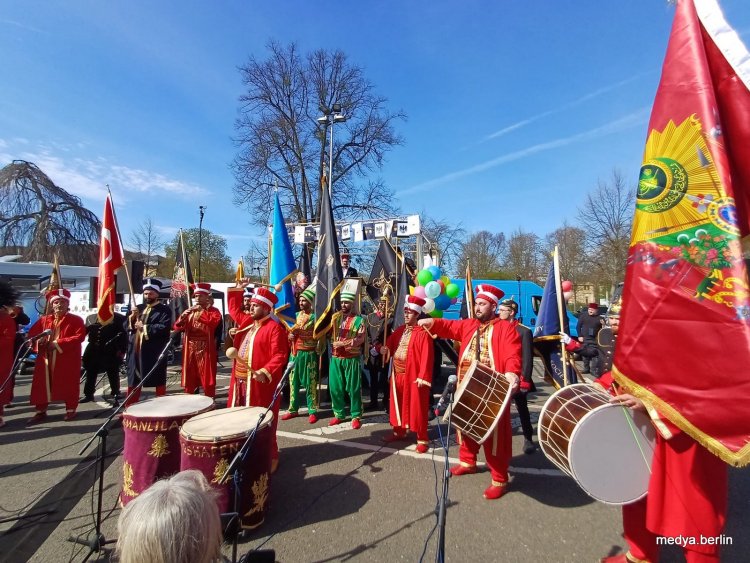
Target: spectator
x,y
176,520
589,325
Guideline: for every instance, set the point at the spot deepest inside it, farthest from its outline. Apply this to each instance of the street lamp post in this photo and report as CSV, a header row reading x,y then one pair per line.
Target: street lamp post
x,y
331,116
202,210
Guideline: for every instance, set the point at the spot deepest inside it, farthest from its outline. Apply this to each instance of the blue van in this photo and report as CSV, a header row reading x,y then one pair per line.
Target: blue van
x,y
527,294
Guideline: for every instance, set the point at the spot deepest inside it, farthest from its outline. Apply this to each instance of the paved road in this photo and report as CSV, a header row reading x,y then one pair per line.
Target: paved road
x,y
339,495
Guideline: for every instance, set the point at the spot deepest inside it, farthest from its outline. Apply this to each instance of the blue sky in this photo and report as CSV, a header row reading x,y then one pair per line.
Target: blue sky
x,y
515,109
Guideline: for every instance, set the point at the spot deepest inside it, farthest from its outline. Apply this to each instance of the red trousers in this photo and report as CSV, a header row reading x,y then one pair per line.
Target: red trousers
x,y
161,390
498,450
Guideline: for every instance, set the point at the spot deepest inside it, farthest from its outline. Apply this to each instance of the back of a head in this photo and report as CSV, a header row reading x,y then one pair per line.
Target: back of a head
x,y
176,520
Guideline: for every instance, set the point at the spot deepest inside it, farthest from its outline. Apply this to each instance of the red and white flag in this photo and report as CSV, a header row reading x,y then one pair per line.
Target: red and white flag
x,y
111,259
684,335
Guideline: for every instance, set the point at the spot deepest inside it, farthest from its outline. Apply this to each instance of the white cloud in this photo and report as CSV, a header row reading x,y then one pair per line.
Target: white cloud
x,y
89,177
631,120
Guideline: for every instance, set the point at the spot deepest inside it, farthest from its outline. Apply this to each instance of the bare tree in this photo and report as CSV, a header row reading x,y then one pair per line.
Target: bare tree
x,y
39,219
484,252
571,244
145,242
282,144
606,216
448,239
524,255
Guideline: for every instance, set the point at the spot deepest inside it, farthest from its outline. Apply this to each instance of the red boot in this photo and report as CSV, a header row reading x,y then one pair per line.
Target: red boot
x,y
459,470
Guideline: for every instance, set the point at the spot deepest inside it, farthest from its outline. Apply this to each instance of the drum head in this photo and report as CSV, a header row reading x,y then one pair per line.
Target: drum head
x,y
610,454
224,424
170,406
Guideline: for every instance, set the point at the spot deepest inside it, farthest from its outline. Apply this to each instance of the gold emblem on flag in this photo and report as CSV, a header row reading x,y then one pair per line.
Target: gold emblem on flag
x,y
159,447
127,480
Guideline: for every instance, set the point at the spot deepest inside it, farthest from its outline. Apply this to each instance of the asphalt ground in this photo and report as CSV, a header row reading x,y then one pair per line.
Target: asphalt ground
x,y
339,495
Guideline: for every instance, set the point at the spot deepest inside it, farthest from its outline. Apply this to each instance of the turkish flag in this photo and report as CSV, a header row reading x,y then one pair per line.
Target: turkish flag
x,y
684,336
110,260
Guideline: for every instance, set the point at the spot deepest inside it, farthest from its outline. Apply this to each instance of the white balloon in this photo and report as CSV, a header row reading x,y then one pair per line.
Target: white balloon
x,y
429,306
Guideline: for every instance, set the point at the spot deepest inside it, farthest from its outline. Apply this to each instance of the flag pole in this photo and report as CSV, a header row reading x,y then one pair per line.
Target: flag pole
x,y
558,286
185,265
119,238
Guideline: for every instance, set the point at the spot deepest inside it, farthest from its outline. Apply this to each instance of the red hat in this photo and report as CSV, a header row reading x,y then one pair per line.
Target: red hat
x,y
593,305
56,294
414,303
489,293
201,288
264,296
345,255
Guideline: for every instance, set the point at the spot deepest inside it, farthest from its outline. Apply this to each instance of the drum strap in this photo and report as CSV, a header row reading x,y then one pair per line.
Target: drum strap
x,y
478,348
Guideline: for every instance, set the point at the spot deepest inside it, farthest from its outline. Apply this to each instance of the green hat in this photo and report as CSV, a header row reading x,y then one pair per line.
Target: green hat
x,y
309,294
346,296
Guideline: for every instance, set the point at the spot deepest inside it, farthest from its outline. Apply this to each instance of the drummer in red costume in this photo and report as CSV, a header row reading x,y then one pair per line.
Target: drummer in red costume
x,y
687,492
199,354
411,377
262,355
57,371
497,345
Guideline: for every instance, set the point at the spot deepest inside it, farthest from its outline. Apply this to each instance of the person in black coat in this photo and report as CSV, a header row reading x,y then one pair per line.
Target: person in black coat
x,y
507,312
589,325
105,351
347,270
150,325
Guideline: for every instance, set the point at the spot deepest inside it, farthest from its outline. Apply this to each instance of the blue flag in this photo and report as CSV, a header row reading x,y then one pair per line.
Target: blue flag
x,y
283,267
547,332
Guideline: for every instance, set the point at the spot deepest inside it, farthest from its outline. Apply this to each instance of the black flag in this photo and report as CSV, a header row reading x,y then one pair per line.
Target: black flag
x,y
328,271
304,263
388,280
179,294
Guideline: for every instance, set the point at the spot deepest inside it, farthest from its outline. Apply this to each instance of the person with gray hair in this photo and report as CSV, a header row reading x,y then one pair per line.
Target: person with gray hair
x,y
176,520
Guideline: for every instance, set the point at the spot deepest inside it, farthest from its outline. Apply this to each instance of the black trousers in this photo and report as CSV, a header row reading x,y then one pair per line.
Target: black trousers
x,y
590,354
522,406
93,366
378,380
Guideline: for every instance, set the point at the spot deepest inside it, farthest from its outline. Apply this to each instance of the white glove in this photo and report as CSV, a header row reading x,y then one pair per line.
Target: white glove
x,y
565,338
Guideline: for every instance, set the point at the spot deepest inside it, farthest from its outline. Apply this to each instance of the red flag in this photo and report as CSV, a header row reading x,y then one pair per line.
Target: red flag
x,y
684,336
110,260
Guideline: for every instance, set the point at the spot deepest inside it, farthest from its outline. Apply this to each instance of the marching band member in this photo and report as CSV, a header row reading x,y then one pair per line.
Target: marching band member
x,y
496,345
411,376
261,358
57,370
199,355
306,358
149,325
344,374
8,298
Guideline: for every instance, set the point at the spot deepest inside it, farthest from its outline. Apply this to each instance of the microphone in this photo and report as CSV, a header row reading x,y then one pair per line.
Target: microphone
x,y
449,388
41,334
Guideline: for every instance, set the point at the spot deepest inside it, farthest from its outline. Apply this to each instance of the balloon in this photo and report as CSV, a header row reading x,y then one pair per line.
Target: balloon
x,y
567,285
411,290
436,314
454,300
435,271
429,305
419,291
432,289
452,290
441,284
442,302
445,279
424,277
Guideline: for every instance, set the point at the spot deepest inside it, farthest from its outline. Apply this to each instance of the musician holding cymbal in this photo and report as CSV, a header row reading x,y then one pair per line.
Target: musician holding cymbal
x,y
496,345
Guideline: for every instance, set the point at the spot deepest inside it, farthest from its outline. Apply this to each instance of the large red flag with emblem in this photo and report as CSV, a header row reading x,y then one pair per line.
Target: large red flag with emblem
x,y
110,260
684,337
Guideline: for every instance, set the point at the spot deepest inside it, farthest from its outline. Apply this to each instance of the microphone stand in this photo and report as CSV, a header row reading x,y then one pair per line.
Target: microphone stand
x,y
237,463
442,507
16,362
96,541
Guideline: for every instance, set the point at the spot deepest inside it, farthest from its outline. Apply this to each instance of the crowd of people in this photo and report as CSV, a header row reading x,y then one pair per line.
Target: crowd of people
x,y
401,366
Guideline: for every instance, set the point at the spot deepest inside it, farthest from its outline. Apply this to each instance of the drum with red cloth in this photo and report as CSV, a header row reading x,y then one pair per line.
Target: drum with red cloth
x,y
152,439
209,443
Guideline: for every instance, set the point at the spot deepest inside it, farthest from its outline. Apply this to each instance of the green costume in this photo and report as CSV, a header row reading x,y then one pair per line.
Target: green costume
x,y
306,358
344,374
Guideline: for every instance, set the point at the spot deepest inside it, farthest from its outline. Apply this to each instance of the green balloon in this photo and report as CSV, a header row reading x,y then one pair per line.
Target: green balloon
x,y
424,277
452,290
436,314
